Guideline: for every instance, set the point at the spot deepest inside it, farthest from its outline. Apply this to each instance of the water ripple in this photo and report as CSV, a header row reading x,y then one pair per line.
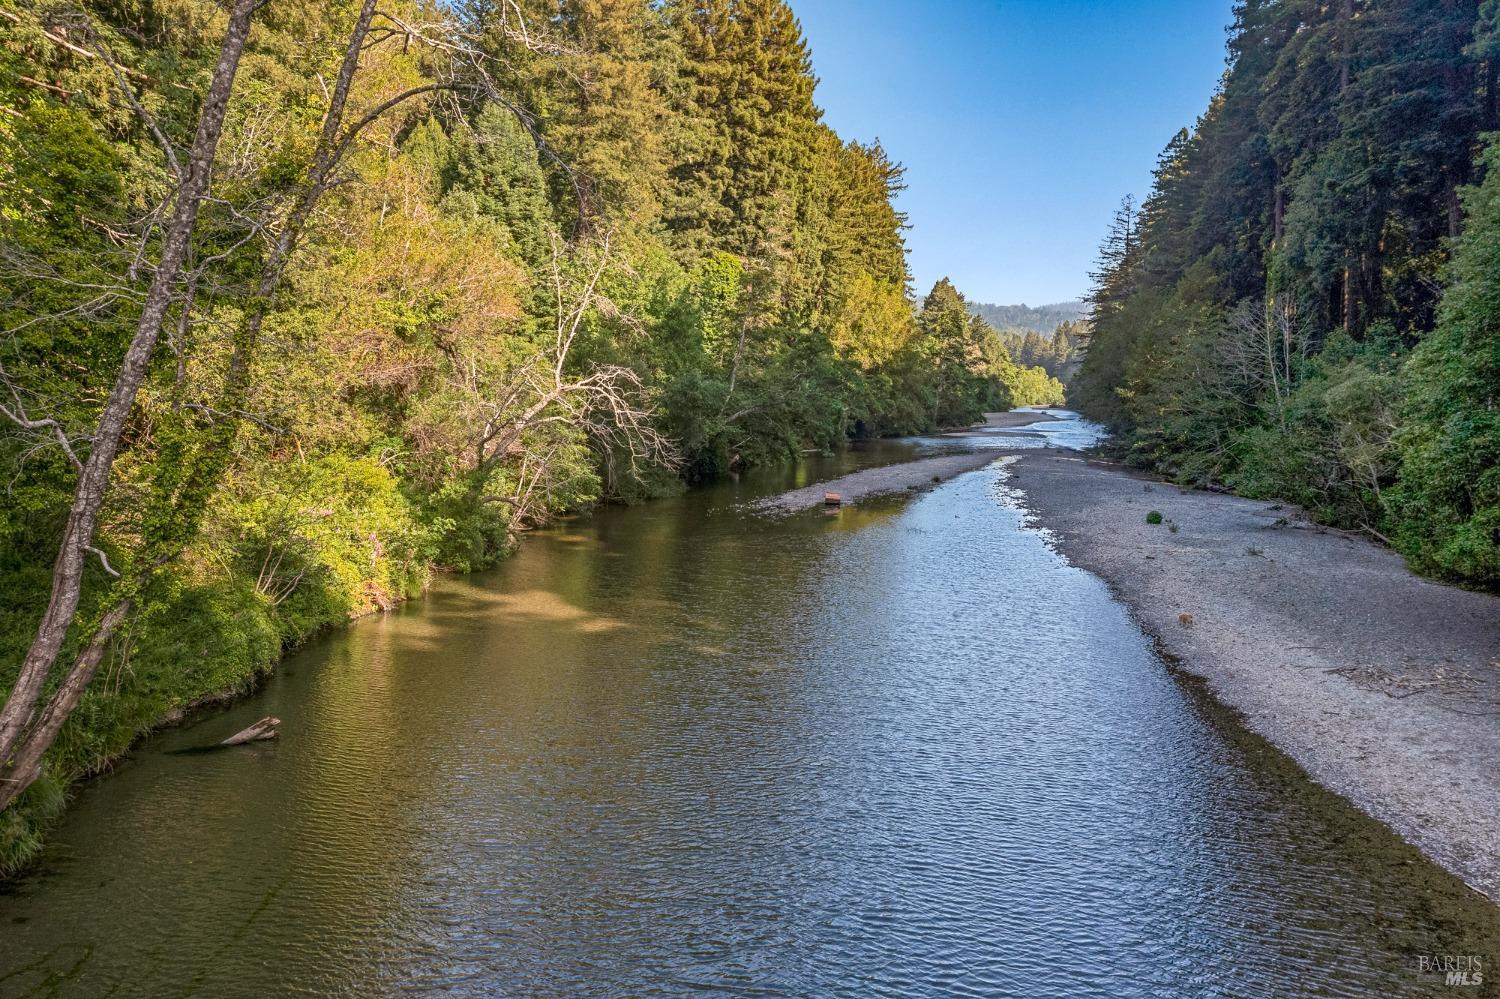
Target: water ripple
x,y
676,751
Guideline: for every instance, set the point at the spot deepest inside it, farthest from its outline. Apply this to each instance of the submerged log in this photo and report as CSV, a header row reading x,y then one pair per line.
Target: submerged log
x,y
263,729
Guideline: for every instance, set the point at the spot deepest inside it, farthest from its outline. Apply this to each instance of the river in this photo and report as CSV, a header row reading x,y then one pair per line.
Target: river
x,y
898,750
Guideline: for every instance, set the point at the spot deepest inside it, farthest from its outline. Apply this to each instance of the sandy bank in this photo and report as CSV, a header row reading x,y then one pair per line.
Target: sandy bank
x,y
1014,418
907,476
1384,686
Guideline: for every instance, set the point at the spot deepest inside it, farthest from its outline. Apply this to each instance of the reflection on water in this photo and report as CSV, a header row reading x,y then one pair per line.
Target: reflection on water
x,y
900,750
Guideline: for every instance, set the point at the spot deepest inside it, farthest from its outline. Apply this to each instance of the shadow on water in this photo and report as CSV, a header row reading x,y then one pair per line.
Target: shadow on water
x,y
903,749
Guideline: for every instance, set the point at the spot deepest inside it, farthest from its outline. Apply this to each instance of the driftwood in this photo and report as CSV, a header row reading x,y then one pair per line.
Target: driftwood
x,y
832,499
263,729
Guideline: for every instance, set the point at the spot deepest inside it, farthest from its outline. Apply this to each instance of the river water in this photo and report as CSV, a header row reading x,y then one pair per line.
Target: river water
x,y
900,750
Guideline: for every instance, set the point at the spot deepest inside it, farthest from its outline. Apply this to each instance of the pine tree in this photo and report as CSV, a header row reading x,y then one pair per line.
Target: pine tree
x,y
750,80
1117,255
601,109
849,231
496,174
1032,350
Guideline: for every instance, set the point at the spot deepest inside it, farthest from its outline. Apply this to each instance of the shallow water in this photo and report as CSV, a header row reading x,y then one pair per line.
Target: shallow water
x,y
1066,429
903,749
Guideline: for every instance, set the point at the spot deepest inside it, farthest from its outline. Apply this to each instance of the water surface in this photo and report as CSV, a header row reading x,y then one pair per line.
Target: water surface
x,y
902,750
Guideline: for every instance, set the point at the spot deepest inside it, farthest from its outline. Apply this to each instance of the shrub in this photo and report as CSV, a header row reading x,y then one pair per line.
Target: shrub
x,y
1445,515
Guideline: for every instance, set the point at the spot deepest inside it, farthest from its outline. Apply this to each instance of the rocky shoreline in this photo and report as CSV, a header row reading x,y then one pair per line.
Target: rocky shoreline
x,y
908,476
1382,685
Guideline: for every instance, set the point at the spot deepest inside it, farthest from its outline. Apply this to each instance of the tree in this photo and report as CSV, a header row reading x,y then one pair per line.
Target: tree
x,y
25,733
598,101
183,486
1252,323
1447,508
749,80
393,339
497,174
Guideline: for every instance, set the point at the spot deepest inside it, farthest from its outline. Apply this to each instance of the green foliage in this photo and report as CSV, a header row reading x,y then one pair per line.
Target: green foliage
x,y
1041,319
1154,517
969,370
495,175
23,826
748,92
1329,447
498,315
1447,505
1253,322
321,540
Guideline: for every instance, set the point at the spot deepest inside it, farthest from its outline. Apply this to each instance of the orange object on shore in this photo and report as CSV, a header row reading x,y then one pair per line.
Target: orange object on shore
x,y
832,499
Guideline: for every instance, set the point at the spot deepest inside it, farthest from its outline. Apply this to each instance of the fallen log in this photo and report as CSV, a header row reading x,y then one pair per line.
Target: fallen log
x,y
263,729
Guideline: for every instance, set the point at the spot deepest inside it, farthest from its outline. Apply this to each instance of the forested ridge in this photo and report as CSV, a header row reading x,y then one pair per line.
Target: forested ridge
x,y
1049,337
1307,306
302,301
1058,352
1041,319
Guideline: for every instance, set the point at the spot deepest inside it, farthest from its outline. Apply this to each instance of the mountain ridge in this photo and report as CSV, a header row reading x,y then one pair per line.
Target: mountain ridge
x,y
1043,319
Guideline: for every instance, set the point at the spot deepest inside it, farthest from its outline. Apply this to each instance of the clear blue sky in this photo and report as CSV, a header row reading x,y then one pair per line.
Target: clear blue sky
x,y
1021,122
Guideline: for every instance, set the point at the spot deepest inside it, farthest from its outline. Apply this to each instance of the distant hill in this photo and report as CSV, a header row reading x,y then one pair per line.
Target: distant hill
x,y
1021,318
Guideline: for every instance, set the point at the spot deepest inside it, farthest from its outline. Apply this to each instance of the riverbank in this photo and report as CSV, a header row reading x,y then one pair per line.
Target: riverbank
x,y
909,476
1014,418
1383,686
217,647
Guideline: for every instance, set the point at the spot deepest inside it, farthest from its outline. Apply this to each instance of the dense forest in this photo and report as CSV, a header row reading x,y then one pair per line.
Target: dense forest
x,y
1050,337
1059,353
1307,306
302,301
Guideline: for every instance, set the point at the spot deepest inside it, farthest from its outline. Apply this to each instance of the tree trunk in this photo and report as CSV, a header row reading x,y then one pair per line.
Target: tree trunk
x,y
1346,50
1348,300
25,764
23,737
216,451
259,732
